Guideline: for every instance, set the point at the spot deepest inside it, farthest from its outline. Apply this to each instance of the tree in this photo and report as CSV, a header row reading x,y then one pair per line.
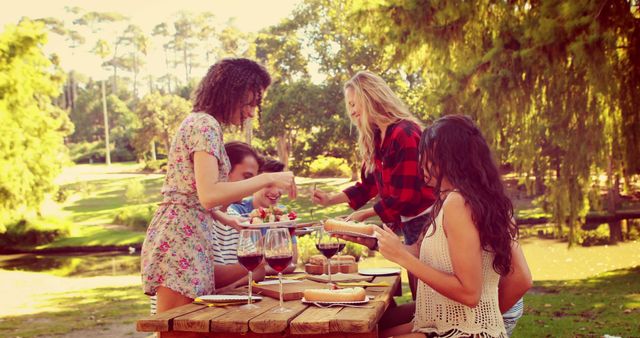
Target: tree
x,y
88,118
160,116
96,22
75,39
183,41
162,30
542,78
139,43
287,106
32,128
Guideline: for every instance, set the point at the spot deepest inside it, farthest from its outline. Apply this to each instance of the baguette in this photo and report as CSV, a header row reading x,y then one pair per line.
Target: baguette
x,y
340,295
344,226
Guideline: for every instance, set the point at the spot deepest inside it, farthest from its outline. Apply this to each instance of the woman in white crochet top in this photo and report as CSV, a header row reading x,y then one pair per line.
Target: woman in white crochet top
x,y
468,245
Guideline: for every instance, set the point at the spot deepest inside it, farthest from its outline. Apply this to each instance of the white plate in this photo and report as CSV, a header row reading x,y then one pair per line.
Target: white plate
x,y
275,281
281,224
227,298
349,233
304,231
365,301
379,271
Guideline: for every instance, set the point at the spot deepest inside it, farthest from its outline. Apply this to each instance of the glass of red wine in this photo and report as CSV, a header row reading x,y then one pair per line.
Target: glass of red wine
x,y
328,246
341,245
278,253
250,254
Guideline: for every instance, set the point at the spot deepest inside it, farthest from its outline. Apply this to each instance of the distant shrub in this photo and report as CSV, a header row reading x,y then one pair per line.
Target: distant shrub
x,y
87,152
156,166
94,152
327,166
307,248
62,194
598,236
134,192
136,217
30,232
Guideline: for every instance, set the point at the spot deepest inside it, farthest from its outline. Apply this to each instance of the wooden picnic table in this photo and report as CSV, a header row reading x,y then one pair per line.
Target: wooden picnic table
x,y
309,321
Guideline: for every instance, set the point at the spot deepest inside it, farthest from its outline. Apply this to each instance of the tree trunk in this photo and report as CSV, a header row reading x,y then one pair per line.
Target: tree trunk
x,y
186,65
106,126
283,150
539,187
166,63
114,84
248,130
355,170
615,227
135,76
167,140
70,93
153,151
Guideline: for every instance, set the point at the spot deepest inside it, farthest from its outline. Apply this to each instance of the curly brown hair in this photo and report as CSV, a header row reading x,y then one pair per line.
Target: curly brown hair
x,y
222,91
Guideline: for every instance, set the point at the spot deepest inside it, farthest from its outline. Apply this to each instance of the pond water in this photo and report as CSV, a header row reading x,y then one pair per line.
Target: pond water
x,y
74,265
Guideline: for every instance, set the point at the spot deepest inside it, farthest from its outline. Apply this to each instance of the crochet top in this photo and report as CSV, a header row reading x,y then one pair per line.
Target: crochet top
x,y
438,314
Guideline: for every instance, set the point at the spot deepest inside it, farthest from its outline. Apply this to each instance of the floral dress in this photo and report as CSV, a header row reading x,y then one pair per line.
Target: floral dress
x,y
177,252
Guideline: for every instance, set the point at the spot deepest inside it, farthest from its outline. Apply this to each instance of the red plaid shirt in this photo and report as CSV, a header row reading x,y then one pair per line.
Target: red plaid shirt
x,y
396,179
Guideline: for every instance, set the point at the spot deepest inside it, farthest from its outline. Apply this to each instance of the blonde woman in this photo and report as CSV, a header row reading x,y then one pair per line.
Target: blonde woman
x,y
388,139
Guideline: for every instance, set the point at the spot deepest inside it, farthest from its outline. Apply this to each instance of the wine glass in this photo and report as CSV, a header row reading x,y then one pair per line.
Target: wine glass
x,y
328,246
250,254
278,253
341,245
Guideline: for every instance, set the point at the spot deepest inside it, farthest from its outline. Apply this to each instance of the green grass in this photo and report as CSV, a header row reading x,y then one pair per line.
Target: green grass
x,y
96,193
606,304
77,310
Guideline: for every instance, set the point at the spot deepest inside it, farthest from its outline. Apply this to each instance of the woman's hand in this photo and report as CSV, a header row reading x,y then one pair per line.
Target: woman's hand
x,y
320,197
390,245
286,181
232,221
366,241
361,215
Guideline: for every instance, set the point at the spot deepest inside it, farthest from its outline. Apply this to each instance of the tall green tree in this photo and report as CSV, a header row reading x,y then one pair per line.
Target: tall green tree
x,y
160,116
553,84
138,42
32,128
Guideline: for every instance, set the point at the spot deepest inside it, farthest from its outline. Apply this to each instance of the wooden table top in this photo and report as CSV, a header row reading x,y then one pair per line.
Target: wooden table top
x,y
194,320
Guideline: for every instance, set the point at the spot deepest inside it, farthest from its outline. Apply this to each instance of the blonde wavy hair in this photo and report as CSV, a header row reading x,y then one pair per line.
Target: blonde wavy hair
x,y
379,106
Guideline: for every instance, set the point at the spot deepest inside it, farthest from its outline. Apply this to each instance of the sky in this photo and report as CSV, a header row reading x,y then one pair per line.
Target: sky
x,y
248,16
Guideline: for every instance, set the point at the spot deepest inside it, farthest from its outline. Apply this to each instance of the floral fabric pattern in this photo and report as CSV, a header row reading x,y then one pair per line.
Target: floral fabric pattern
x,y
178,250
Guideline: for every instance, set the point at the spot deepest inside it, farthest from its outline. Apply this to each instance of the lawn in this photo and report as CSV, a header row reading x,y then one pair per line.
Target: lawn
x,y
578,292
608,303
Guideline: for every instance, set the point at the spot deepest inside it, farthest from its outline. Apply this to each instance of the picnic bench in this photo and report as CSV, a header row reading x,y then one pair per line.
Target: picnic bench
x,y
304,321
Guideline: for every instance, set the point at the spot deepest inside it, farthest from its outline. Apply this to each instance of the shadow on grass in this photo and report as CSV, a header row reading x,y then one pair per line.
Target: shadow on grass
x,y
606,304
101,236
85,309
110,194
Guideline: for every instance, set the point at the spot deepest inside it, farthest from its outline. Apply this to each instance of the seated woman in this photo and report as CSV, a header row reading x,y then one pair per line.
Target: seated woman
x,y
468,246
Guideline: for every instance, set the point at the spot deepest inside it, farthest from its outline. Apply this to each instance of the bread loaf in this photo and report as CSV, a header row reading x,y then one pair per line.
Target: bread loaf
x,y
318,260
340,295
343,259
345,226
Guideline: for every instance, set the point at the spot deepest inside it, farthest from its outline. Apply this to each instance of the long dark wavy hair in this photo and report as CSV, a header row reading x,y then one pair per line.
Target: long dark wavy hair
x,y
222,91
457,150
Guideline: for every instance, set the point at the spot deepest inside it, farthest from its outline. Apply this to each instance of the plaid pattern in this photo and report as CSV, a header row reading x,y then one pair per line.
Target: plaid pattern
x,y
396,178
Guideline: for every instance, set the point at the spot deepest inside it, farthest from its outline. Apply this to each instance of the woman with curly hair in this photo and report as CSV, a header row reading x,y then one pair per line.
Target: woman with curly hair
x,y
468,246
178,251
